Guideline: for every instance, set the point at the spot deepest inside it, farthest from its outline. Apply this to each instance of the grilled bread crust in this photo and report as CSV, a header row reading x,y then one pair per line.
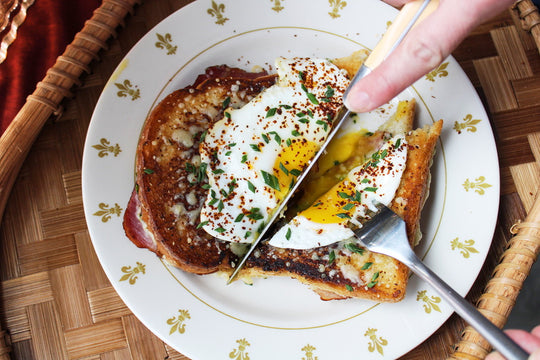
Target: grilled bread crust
x,y
170,195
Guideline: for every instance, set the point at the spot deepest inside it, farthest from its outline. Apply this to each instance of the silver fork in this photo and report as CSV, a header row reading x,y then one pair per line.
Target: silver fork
x,y
385,233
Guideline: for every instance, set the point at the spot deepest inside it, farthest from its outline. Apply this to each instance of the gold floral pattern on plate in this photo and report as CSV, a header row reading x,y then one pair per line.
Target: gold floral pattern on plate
x,y
165,42
308,351
240,352
277,5
177,323
127,89
132,274
217,11
430,302
468,124
375,343
466,248
105,148
106,212
336,6
479,185
440,72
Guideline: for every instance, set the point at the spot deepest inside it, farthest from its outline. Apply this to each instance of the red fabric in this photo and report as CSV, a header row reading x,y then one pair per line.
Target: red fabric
x,y
49,27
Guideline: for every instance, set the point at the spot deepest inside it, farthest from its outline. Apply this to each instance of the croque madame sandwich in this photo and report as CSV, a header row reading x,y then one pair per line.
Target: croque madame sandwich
x,y
215,159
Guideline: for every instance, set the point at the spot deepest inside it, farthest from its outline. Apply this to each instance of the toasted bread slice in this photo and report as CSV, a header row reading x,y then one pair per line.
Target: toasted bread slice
x,y
336,271
163,213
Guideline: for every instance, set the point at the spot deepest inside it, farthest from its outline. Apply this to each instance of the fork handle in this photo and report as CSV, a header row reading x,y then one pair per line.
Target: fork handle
x,y
496,337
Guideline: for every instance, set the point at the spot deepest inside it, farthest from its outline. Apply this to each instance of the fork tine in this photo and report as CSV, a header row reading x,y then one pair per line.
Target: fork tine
x,y
384,232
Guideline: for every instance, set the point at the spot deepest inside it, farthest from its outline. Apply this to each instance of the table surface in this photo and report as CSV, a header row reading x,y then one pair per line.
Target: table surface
x,y
47,253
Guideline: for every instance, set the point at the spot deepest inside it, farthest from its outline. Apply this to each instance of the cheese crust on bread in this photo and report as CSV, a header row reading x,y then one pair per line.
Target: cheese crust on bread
x,y
163,213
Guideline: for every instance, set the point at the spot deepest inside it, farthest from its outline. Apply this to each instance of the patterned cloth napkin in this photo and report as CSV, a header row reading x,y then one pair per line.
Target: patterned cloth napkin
x,y
29,49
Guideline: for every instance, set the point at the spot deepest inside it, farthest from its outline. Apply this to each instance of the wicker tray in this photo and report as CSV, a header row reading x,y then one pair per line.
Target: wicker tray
x,y
56,302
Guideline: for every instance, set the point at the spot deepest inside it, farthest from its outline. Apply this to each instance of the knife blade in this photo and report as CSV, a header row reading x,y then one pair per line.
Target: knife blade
x,y
408,16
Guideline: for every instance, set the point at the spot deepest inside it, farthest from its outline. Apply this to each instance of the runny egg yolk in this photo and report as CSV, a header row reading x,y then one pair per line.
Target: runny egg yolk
x,y
335,206
342,155
290,163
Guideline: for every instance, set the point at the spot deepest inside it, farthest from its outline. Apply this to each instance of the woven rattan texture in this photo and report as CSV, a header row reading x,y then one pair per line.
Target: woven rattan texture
x,y
56,302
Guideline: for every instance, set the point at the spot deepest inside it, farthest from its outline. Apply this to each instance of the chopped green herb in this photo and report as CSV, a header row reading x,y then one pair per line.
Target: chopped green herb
x,y
218,171
248,234
203,135
304,120
288,234
374,280
219,230
271,180
331,257
349,287
239,217
365,181
301,75
226,102
227,114
283,168
148,171
328,94
255,147
324,124
343,216
287,107
295,172
348,206
352,247
255,214
371,189
398,143
367,265
265,138
276,137
228,153
244,158
271,112
295,133
202,223
251,187
344,195
288,142
220,206
368,133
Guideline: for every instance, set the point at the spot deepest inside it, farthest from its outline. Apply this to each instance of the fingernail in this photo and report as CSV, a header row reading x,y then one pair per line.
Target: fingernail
x,y
358,101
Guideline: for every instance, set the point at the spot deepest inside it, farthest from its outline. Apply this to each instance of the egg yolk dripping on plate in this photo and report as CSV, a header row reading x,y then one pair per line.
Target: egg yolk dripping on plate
x,y
325,222
254,154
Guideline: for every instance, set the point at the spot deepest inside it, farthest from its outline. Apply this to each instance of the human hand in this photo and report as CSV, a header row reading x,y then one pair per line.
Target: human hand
x,y
422,50
530,342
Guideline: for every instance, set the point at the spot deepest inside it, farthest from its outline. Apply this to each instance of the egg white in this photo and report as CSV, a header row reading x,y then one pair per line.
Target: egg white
x,y
254,153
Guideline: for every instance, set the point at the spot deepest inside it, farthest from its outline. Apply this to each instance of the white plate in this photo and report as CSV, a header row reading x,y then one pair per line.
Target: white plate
x,y
279,318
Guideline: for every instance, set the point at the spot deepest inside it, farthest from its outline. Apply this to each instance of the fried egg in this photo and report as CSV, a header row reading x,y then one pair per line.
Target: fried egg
x,y
325,222
254,154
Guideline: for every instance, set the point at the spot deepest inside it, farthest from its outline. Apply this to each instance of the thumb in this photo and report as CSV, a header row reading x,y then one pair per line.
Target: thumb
x,y
424,48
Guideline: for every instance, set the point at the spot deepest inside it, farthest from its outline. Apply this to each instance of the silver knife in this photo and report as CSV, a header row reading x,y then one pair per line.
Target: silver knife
x,y
409,15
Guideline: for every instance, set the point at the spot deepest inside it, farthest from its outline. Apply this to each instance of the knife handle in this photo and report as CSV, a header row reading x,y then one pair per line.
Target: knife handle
x,y
412,11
